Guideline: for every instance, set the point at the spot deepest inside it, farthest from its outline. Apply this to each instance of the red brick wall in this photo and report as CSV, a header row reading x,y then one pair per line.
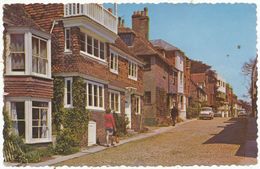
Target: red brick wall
x,y
26,86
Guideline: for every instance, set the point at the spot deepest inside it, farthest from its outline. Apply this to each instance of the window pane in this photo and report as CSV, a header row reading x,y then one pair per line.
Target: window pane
x,y
95,47
35,64
129,68
68,91
35,132
100,97
18,61
67,39
42,66
35,113
89,39
111,60
116,102
102,49
35,46
82,42
17,43
43,49
95,96
39,104
90,95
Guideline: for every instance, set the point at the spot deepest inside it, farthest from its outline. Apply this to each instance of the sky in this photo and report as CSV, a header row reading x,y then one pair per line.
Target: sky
x,y
205,32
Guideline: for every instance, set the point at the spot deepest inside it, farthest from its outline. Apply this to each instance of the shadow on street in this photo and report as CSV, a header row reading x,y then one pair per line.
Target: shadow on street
x,y
234,132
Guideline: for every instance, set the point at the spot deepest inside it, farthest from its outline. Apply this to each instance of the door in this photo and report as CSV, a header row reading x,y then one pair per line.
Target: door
x,y
92,130
128,109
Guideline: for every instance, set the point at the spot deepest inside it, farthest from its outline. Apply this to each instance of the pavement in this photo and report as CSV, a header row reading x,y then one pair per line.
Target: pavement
x,y
94,149
251,142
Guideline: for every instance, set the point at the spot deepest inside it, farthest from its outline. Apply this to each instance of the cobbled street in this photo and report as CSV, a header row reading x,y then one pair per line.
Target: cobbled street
x,y
200,142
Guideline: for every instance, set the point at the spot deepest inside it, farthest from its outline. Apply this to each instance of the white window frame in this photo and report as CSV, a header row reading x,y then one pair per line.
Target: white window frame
x,y
91,55
133,72
28,33
65,40
114,68
138,104
46,66
66,105
119,100
92,107
28,118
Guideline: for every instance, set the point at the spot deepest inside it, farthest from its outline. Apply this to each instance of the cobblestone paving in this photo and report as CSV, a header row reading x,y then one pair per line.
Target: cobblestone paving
x,y
201,142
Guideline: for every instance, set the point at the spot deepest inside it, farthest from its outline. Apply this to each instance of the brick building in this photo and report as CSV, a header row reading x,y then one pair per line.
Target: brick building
x,y
180,65
159,78
83,45
204,77
28,84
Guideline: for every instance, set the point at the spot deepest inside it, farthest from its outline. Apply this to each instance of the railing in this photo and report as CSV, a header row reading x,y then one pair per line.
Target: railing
x,y
94,11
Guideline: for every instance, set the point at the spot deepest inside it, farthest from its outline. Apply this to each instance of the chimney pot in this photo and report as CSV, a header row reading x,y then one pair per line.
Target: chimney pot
x,y
110,10
142,13
119,21
123,23
145,11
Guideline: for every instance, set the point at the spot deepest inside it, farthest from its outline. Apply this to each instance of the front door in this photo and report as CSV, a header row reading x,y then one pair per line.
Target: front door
x,y
128,109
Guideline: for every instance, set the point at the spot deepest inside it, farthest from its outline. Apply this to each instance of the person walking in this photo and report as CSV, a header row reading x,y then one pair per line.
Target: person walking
x,y
110,127
174,114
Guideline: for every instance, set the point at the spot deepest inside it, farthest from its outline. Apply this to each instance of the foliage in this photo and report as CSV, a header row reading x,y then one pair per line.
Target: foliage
x,y
57,102
193,110
12,143
74,120
121,123
66,142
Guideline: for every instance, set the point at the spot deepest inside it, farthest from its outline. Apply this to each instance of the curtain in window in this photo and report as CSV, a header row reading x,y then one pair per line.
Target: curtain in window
x,y
14,118
44,123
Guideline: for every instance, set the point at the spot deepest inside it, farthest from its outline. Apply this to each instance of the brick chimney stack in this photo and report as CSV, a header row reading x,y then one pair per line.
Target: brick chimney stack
x,y
140,22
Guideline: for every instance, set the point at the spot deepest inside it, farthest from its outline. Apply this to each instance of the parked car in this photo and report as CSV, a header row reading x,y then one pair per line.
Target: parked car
x,y
242,113
206,113
217,114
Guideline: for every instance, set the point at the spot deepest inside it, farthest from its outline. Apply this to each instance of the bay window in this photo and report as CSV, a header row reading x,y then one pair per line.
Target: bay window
x,y
31,119
17,52
28,53
114,62
95,95
114,101
132,70
92,46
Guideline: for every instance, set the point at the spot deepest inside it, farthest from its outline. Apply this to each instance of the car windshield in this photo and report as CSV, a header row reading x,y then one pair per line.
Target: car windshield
x,y
206,109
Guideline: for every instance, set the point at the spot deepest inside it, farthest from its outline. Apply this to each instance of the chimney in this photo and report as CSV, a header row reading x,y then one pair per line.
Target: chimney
x,y
110,10
140,22
123,23
119,22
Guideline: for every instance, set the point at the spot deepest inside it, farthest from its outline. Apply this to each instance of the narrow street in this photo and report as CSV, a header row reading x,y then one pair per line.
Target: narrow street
x,y
201,142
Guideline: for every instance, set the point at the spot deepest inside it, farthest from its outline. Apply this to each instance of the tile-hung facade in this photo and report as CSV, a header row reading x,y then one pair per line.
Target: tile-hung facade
x,y
177,58
159,76
87,46
27,75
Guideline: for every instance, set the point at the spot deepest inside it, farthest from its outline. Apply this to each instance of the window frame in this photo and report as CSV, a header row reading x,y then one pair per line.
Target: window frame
x,y
114,101
67,38
92,107
18,120
114,68
66,105
132,70
28,118
28,33
145,97
91,43
138,105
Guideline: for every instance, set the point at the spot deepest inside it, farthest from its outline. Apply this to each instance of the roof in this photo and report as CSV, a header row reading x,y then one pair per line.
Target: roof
x,y
164,45
142,46
15,15
198,67
120,44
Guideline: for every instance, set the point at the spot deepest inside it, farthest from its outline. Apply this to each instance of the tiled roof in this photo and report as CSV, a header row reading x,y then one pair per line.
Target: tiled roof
x,y
198,67
163,44
15,15
120,44
142,46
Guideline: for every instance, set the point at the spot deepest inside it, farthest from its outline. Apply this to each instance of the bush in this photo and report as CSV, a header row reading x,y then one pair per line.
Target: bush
x,y
66,143
33,156
121,123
